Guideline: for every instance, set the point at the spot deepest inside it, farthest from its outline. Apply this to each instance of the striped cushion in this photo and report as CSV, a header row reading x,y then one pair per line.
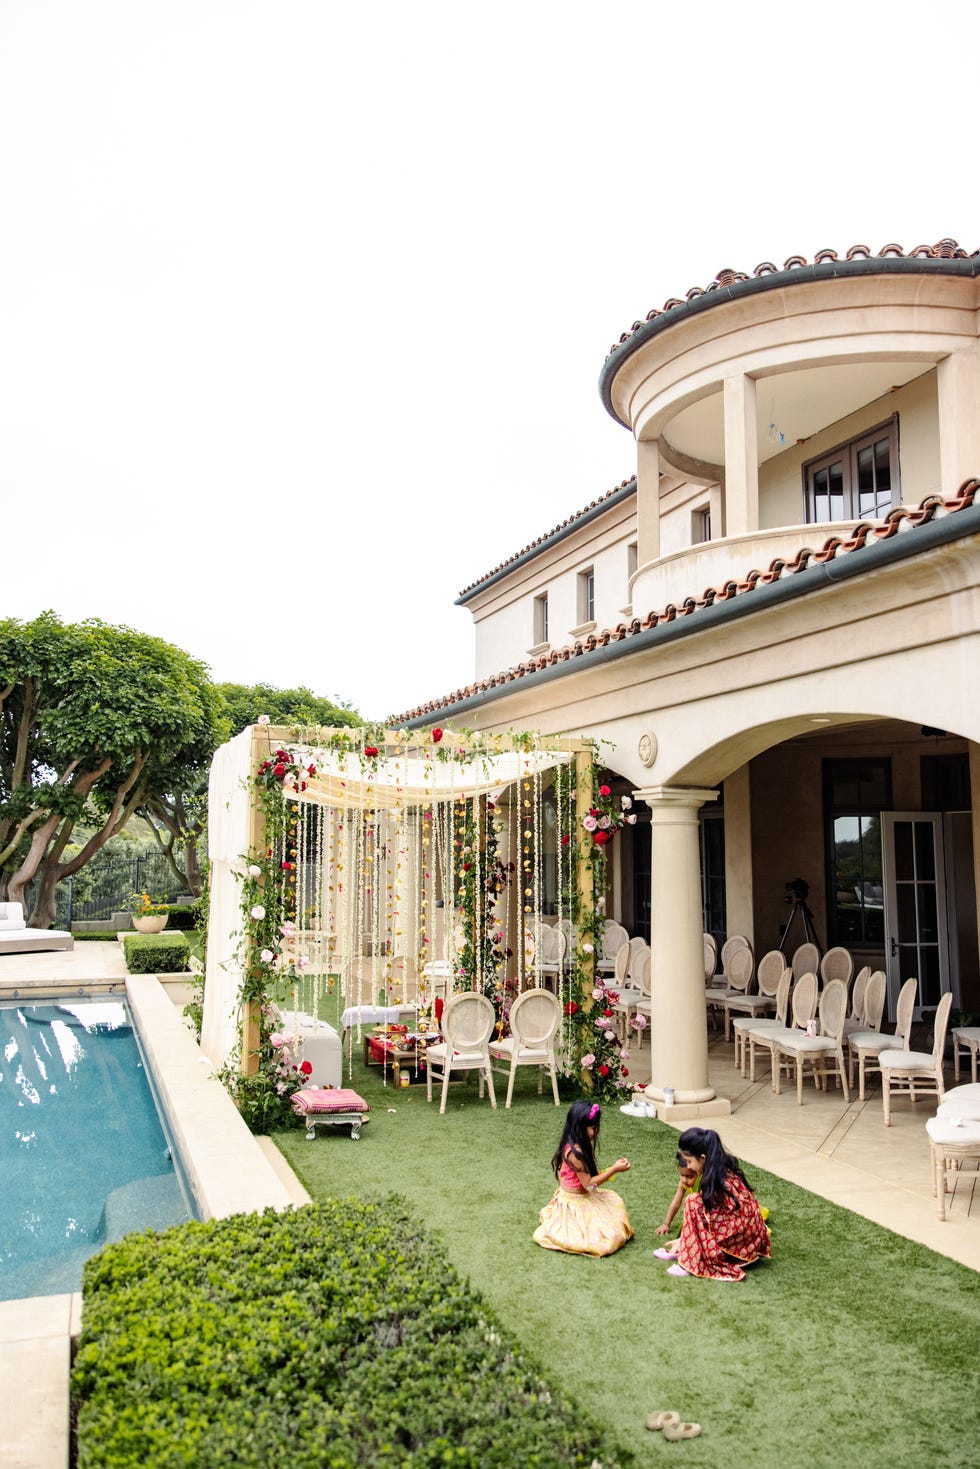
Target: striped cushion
x,y
328,1099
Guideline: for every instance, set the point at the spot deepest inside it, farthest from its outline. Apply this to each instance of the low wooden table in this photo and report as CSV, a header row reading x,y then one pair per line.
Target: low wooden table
x,y
401,1054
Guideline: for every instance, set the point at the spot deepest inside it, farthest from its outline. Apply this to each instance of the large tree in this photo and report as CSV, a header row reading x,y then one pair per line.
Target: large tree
x,y
178,817
244,703
95,723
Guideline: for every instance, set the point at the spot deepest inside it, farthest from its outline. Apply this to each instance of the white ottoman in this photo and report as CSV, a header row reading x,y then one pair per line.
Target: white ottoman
x,y
319,1044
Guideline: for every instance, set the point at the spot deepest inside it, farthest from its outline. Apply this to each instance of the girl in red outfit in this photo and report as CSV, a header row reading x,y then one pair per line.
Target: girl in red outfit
x,y
723,1228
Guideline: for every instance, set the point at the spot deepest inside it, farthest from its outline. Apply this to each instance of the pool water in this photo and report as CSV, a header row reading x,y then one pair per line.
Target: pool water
x,y
83,1156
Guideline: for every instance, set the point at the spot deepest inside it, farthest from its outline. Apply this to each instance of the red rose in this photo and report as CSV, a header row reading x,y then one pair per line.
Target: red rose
x,y
306,1068
604,791
607,1014
565,840
436,736
600,838
624,1071
279,771
287,867
370,751
571,1008
302,785
311,770
603,1069
467,866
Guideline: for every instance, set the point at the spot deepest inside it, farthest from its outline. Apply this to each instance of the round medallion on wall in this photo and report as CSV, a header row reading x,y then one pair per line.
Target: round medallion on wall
x,y
647,748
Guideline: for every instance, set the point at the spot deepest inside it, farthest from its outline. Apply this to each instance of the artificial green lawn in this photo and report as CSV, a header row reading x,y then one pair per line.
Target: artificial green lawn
x,y
853,1345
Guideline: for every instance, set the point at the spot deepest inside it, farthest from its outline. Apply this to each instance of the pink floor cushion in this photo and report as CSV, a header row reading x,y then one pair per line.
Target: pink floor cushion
x,y
328,1099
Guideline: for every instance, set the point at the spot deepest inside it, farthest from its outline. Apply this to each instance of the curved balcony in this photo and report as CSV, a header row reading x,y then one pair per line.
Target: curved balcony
x,y
692,570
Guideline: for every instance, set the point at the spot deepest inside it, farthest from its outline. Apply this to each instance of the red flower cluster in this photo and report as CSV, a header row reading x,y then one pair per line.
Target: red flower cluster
x,y
436,736
370,751
282,767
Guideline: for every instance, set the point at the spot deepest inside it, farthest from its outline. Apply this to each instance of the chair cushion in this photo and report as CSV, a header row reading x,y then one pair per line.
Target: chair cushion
x,y
12,916
807,1044
946,1131
967,1108
869,1040
328,1099
907,1061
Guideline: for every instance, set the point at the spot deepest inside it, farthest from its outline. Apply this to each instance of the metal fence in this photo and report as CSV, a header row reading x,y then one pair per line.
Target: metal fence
x,y
106,884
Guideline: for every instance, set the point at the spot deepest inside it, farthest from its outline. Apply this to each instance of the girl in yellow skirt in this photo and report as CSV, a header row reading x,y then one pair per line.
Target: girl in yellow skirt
x,y
583,1218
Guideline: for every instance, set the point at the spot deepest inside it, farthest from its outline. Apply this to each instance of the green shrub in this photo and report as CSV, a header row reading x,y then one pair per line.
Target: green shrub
x,y
156,953
182,916
100,936
337,1335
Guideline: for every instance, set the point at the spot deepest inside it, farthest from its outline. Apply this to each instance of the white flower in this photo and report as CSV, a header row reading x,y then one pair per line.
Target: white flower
x,y
254,871
610,1035
626,801
588,949
266,956
288,927
262,719
632,819
258,912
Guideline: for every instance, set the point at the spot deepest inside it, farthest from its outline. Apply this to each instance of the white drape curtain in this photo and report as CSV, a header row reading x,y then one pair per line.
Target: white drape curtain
x,y
229,804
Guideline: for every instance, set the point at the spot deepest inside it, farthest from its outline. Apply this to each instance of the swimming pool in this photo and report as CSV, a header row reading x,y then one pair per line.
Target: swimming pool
x,y
84,1156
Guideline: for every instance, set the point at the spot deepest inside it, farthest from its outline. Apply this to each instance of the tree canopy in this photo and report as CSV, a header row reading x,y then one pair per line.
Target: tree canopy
x,y
244,703
95,721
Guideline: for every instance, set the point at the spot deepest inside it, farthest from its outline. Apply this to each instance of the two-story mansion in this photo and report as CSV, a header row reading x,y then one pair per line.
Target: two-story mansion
x,y
776,623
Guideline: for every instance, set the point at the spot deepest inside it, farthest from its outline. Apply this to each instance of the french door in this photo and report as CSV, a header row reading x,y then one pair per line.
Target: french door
x,y
916,928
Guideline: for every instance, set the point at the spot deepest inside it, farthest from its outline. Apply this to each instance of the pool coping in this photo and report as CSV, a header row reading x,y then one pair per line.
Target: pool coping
x,y
228,1170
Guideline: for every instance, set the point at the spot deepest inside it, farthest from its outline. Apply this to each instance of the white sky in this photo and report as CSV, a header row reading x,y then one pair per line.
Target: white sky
x,y
303,304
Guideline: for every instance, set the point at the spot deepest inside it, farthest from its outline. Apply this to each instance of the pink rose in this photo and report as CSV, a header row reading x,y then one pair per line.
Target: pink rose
x,y
588,1061
275,1040
590,823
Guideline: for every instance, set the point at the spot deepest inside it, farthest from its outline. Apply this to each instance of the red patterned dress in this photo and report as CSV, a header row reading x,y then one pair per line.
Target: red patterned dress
x,y
716,1243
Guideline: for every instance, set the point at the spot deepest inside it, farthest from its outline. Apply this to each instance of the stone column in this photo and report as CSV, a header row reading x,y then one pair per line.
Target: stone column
x,y
958,383
678,1022
739,907
647,501
741,456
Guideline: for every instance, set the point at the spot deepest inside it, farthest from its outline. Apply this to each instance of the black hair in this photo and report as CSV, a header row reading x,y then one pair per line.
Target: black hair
x,y
581,1116
701,1142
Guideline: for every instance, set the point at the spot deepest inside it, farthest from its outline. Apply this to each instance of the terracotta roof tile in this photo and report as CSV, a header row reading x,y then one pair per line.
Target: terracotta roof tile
x,y
563,529
942,250
898,522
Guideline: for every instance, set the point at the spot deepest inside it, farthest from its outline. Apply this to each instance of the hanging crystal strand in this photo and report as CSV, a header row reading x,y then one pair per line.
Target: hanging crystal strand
x,y
538,855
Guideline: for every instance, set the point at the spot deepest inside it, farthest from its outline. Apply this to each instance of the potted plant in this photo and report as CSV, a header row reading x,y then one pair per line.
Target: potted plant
x,y
149,914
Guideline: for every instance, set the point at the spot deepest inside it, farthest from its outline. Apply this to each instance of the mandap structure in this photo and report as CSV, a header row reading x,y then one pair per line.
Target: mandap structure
x,y
402,864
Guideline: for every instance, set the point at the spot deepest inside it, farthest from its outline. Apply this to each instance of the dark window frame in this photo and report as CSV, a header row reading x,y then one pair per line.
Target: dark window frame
x,y
832,812
847,455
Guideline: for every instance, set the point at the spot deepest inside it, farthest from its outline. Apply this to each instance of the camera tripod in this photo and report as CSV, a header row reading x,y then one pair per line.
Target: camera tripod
x,y
801,911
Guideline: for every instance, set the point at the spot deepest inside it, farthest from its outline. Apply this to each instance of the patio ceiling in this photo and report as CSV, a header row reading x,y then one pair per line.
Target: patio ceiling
x,y
798,404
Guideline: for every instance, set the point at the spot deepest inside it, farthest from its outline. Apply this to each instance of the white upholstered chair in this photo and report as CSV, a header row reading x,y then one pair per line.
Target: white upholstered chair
x,y
763,1001
904,1072
614,936
836,964
805,960
742,1024
821,1051
856,1021
763,1035
467,1025
865,1046
740,975
966,1041
534,1020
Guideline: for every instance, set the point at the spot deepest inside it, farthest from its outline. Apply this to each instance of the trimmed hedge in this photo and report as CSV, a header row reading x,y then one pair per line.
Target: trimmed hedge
x,y
336,1336
182,916
156,953
95,936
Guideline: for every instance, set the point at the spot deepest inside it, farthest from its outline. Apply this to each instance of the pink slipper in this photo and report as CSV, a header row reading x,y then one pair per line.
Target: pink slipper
x,y
664,1255
677,1270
